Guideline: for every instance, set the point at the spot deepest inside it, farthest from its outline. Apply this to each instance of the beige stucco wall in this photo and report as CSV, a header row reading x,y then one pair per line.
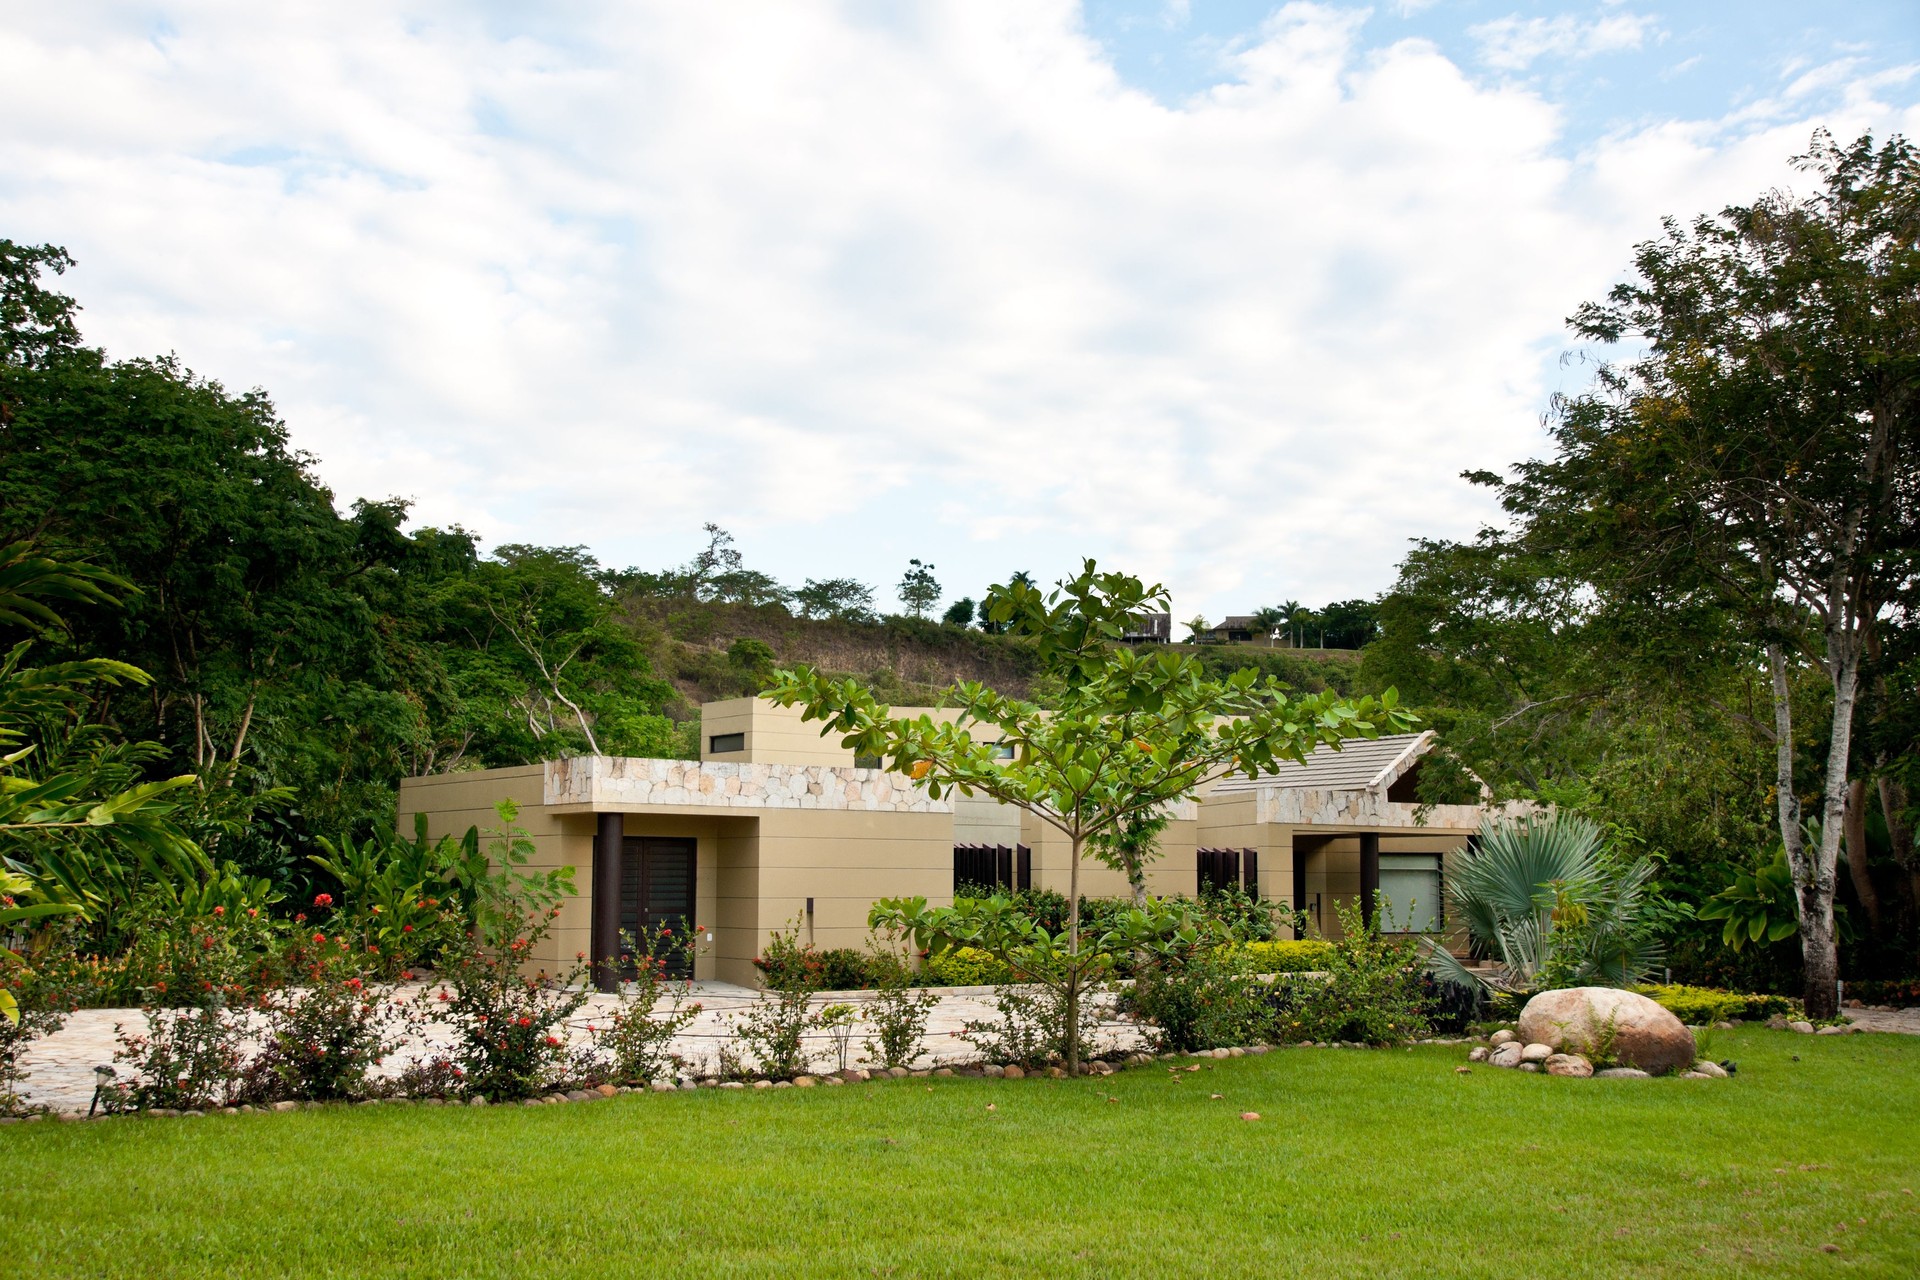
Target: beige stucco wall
x,y
778,735
454,802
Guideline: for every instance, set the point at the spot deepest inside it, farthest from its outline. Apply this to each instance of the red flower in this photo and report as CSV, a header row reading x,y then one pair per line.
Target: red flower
x,y
526,1022
219,911
552,1043
323,900
319,938
252,912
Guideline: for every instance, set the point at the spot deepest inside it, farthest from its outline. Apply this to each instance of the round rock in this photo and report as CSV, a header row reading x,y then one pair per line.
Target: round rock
x,y
1582,1020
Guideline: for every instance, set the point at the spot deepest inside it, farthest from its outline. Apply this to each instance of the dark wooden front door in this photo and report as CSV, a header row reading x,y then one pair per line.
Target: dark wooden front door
x,y
656,892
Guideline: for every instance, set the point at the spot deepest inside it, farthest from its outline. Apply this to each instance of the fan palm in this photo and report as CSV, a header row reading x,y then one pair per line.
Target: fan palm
x,y
1543,897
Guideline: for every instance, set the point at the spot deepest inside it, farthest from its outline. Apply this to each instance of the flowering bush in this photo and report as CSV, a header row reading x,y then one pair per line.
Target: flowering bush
x,y
509,1028
633,1044
34,1009
189,1059
327,1033
1374,990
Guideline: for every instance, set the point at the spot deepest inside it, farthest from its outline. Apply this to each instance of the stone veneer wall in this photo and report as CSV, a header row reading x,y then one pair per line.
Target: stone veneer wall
x,y
617,780
1301,807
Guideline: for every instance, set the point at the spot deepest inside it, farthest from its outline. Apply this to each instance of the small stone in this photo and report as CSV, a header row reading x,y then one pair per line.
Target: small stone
x,y
1723,1025
433,1102
1507,1055
803,1082
1500,1037
944,1073
285,1106
1480,1053
1259,1049
1695,1075
1834,1031
1013,1072
532,1102
1222,1053
856,1076
920,1074
688,1086
1712,1070
831,1080
1536,1053
1056,1073
478,1100
1776,1023
1249,1115
555,1099
578,1095
898,1073
783,1084
1528,1066
1622,1073
661,1086
1463,1071
732,1084
1236,1052
1569,1064
1803,1027
995,1071
763,1084
606,1090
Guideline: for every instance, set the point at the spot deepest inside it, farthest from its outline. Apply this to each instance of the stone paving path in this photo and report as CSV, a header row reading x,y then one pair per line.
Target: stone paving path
x,y
1901,1021
60,1067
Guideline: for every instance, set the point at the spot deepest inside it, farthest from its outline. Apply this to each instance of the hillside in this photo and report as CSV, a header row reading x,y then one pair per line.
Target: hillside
x,y
712,650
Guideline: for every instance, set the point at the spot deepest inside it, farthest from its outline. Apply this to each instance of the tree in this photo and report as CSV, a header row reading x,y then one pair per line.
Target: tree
x,y
1270,620
1198,628
79,828
1348,624
1299,617
959,613
918,591
1126,735
1761,455
843,599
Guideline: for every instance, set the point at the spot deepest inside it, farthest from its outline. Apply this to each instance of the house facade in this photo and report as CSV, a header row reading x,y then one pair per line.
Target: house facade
x,y
777,826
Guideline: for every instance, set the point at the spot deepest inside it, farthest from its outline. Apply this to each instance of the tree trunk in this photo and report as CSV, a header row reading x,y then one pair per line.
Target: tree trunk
x,y
1817,946
1073,959
1856,838
1893,805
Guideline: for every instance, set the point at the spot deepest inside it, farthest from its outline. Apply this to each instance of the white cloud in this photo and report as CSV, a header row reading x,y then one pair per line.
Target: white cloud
x,y
929,282
1514,43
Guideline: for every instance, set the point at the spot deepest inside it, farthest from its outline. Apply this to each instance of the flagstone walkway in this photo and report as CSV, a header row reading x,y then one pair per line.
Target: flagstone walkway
x,y
60,1068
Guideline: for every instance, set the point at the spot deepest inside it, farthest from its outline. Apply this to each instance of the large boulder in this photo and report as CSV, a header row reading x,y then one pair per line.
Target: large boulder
x,y
1606,1022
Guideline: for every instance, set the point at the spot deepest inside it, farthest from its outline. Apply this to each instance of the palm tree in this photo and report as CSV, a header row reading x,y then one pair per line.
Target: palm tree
x,y
1270,620
1544,897
1300,616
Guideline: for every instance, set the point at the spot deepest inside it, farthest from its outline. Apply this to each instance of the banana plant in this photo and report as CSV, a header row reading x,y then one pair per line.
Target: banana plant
x,y
1758,904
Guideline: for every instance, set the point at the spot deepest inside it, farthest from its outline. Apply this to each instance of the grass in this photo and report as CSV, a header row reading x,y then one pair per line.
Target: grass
x,y
1374,1164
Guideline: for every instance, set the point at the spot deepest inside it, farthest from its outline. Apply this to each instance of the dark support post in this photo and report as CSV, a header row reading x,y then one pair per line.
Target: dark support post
x,y
1299,902
1369,875
605,934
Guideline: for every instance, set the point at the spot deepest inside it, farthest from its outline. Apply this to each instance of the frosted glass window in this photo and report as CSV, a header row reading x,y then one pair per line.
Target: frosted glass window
x,y
1409,892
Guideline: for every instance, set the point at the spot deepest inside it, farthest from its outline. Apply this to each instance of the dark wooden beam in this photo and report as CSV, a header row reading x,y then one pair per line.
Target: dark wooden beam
x,y
1369,875
607,869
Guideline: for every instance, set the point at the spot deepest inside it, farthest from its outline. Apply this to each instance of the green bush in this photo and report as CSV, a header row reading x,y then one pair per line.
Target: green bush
x,y
1374,990
1699,1006
1306,955
965,967
1209,998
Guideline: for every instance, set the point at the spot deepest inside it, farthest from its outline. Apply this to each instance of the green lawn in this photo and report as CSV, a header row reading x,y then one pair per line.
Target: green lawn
x,y
1372,1164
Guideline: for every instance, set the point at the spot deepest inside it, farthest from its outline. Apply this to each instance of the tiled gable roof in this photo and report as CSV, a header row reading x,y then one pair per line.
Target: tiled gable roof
x,y
1362,764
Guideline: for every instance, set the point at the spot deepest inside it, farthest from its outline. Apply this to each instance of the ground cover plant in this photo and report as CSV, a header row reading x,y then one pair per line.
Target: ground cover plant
x,y
1364,1163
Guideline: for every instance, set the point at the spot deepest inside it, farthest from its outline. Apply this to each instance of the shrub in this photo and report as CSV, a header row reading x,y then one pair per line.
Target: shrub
x,y
509,1029
1031,1025
1208,998
36,1010
188,1060
897,1013
837,1020
1700,1006
325,1035
775,1030
965,967
1305,955
791,965
634,1046
1374,990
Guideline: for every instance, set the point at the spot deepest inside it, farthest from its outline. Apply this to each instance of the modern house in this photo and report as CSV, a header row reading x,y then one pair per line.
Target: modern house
x,y
777,825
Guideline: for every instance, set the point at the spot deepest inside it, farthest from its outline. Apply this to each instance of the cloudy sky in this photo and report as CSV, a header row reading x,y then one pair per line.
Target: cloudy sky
x,y
1225,293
